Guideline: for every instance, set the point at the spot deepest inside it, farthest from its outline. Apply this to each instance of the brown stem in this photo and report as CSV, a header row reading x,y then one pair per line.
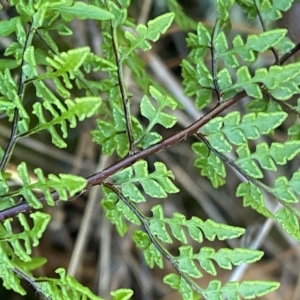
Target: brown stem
x,y
98,178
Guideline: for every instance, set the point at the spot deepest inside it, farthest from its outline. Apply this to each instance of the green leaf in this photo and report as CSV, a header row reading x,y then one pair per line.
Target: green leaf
x,y
176,225
128,213
204,38
251,289
223,8
23,241
252,196
9,26
211,166
8,63
69,62
283,190
178,283
225,258
81,108
115,215
265,40
267,157
83,11
238,131
64,287
281,153
185,262
157,184
65,185
141,239
153,256
246,82
183,21
122,294
247,289
288,221
155,114
255,43
211,229
151,32
224,79
157,225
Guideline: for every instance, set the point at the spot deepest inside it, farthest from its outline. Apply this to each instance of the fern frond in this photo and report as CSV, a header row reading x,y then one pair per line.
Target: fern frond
x,y
289,221
155,115
11,100
183,21
196,227
111,135
151,253
117,211
238,131
285,189
65,287
210,164
15,248
80,108
256,43
253,197
30,237
232,290
268,158
80,10
214,290
65,185
151,32
156,184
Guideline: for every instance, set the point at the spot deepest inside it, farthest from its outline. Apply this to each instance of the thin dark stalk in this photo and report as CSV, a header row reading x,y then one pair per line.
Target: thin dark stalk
x,y
154,241
223,157
287,56
98,178
12,141
231,163
125,101
31,281
277,60
287,107
214,61
14,135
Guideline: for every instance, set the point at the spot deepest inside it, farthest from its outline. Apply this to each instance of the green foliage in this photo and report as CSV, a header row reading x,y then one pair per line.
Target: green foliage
x,y
65,185
16,248
80,108
221,132
151,32
247,289
211,165
156,184
67,86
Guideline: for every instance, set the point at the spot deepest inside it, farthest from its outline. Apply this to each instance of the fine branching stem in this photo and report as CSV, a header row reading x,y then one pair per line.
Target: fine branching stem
x,y
31,281
234,165
123,93
285,106
154,241
69,81
14,130
98,178
214,61
223,157
277,61
288,55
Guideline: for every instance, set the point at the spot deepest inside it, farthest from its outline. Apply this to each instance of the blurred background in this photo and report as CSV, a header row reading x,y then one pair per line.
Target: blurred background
x,y
84,242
